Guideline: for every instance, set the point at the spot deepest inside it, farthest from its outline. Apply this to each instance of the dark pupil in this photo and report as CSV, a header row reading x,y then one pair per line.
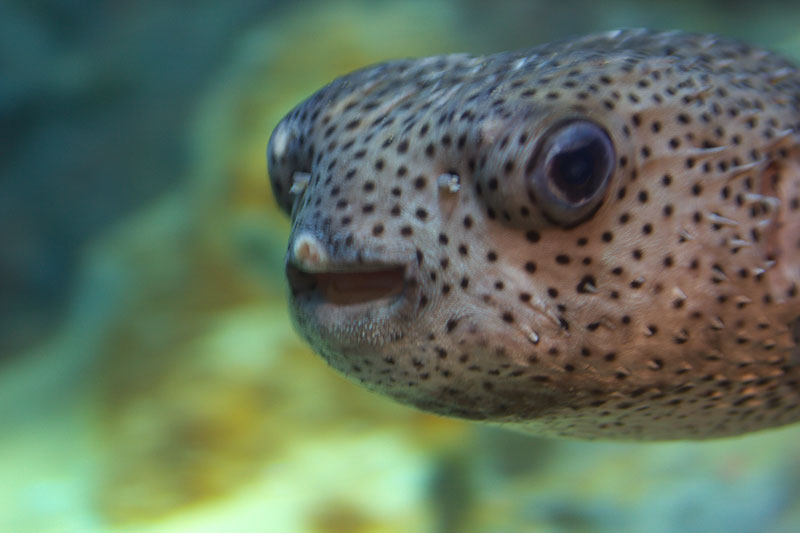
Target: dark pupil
x,y
579,171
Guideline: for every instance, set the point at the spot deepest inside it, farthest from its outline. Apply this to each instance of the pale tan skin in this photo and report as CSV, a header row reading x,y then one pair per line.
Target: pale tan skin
x,y
427,262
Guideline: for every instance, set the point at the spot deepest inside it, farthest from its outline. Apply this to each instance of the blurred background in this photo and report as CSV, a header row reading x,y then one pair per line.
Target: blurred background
x,y
149,377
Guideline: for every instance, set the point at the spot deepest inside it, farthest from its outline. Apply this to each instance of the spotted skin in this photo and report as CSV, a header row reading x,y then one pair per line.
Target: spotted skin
x,y
669,311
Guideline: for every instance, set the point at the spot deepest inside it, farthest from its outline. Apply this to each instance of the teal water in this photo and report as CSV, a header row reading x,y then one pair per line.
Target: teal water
x,y
149,377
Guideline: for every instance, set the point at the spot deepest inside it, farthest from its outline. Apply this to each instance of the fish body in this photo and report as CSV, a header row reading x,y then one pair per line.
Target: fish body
x,y
597,238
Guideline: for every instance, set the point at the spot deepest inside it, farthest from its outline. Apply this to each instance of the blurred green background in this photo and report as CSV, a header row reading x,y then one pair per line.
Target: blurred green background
x,y
149,378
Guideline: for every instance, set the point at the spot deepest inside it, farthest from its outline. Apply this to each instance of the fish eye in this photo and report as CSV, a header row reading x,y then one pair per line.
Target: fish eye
x,y
571,171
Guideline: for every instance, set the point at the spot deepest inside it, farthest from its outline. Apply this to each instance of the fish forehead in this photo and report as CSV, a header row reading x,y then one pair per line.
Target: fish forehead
x,y
668,314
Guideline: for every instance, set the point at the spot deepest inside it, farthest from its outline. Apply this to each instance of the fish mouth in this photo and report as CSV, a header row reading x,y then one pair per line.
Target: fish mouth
x,y
349,287
344,310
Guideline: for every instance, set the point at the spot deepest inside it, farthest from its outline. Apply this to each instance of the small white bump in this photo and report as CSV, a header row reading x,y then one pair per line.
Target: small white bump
x,y
533,337
777,76
721,220
623,371
678,293
280,139
739,243
309,254
699,93
300,181
770,201
718,275
764,223
449,182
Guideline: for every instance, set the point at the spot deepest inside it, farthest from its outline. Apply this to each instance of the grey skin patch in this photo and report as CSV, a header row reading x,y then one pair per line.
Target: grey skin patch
x,y
596,238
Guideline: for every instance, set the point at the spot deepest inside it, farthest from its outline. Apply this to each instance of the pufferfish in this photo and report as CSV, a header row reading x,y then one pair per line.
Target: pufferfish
x,y
596,238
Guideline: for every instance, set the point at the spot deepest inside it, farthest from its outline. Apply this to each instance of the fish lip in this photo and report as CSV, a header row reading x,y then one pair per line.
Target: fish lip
x,y
324,315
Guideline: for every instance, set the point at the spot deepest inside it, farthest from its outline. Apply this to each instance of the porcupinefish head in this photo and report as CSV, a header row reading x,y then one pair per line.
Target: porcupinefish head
x,y
593,238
